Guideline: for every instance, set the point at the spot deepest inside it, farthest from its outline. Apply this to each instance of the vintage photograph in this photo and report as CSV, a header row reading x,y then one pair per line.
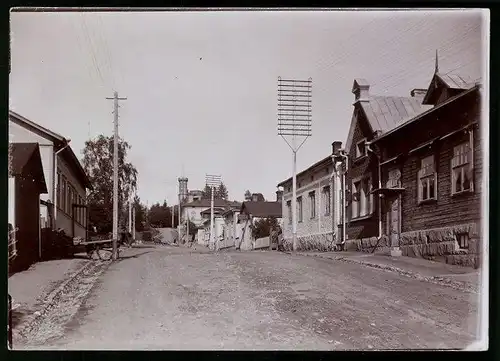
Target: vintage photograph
x,y
248,179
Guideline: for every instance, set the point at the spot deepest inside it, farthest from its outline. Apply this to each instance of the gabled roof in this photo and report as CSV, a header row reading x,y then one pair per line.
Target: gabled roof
x,y
432,109
384,113
217,210
205,203
262,209
26,161
451,81
59,142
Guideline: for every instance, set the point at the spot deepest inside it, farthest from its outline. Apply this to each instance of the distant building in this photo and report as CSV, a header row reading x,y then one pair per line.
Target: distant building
x,y
249,213
193,210
194,195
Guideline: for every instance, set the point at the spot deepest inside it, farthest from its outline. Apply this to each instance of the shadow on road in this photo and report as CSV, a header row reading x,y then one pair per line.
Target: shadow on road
x,y
143,246
133,255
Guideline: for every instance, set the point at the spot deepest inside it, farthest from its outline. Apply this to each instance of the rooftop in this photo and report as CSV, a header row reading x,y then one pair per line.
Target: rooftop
x,y
262,209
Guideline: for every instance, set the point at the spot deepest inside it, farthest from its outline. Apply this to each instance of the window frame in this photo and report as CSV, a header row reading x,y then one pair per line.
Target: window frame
x,y
424,174
464,167
327,198
363,207
300,209
360,154
289,207
312,202
64,193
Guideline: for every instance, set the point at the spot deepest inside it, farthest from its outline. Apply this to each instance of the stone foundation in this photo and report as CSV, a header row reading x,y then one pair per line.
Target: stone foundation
x,y
368,245
317,242
441,244
437,244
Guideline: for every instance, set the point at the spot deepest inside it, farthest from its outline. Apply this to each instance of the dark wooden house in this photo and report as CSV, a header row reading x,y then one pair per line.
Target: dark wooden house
x,y
431,168
28,182
372,116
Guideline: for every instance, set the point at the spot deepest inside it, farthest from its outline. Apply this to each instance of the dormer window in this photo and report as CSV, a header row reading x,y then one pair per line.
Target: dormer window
x,y
361,148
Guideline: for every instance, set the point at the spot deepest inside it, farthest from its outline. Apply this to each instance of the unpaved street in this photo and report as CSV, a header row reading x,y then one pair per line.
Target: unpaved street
x,y
177,298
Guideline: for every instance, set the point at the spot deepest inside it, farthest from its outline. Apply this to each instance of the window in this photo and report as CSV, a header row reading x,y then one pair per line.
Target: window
x,y
461,169
59,186
289,207
79,210
62,205
427,180
70,200
361,148
299,209
312,200
327,200
463,240
362,199
356,188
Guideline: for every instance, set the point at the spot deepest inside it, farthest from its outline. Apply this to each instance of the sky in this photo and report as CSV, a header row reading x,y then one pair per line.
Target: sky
x,y
201,87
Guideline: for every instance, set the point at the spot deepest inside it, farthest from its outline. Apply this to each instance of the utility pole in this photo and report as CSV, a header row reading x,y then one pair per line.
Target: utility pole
x,y
294,120
212,181
115,99
129,215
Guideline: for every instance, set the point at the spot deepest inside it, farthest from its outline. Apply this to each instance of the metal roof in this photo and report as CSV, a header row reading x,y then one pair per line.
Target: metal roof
x,y
262,209
456,81
387,112
423,114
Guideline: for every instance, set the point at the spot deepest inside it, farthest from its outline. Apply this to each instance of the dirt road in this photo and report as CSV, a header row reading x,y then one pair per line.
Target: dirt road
x,y
174,298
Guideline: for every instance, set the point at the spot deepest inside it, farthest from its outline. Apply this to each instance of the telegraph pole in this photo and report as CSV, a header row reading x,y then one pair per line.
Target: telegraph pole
x,y
115,99
212,181
294,120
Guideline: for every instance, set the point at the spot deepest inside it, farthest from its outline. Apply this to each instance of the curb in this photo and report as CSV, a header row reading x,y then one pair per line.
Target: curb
x,y
50,297
442,281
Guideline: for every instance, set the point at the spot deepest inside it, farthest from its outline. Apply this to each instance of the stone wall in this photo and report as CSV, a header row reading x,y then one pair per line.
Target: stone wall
x,y
438,244
315,242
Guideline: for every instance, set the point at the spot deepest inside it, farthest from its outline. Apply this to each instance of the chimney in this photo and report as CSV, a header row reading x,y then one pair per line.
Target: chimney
x,y
336,146
418,94
360,89
279,195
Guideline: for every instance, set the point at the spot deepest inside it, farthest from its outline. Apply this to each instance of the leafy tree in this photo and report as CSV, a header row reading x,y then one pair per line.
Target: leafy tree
x,y
98,164
263,226
140,214
248,195
160,215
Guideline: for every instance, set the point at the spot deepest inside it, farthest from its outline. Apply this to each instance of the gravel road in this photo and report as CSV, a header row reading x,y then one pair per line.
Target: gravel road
x,y
177,298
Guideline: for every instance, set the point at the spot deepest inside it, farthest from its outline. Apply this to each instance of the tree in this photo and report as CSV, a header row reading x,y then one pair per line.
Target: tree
x,y
248,195
160,216
263,226
98,165
219,193
140,214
